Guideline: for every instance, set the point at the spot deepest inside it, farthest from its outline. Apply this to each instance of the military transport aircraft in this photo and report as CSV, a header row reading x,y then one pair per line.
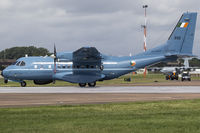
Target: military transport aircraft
x,y
168,70
87,65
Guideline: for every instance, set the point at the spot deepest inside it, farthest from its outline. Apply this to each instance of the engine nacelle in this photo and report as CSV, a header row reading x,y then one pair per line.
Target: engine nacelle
x,y
42,82
64,56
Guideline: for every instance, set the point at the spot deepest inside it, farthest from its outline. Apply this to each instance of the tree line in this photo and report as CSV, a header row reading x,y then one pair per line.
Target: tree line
x,y
17,52
7,55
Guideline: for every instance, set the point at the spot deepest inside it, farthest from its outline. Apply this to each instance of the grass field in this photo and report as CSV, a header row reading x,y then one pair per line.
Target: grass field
x,y
139,117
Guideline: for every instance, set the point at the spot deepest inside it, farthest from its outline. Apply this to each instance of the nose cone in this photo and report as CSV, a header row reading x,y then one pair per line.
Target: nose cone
x,y
2,73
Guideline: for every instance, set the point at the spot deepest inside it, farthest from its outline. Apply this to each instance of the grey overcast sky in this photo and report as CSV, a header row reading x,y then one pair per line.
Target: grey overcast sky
x,y
112,26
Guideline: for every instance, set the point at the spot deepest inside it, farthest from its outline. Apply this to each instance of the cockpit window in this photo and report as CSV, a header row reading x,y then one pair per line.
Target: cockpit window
x,y
18,63
22,63
14,63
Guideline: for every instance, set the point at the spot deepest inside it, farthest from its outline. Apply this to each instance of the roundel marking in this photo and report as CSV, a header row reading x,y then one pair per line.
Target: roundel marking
x,y
133,63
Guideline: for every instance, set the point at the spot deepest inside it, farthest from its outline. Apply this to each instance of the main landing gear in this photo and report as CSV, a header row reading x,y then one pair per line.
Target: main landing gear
x,y
82,84
93,84
23,84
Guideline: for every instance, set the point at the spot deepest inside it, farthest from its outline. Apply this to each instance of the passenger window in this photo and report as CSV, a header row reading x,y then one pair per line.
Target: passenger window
x,y
59,66
41,67
68,66
35,66
63,66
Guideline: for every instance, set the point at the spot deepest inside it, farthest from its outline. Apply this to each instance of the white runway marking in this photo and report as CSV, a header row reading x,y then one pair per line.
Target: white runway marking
x,y
107,89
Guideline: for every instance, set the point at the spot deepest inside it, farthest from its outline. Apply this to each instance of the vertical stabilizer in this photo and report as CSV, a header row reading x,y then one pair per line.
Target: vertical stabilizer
x,y
182,37
186,62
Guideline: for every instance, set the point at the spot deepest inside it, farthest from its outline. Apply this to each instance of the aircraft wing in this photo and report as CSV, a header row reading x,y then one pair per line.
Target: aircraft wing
x,y
78,78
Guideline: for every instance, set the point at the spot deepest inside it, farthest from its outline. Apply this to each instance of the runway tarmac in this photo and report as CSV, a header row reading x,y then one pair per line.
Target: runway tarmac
x,y
105,89
37,96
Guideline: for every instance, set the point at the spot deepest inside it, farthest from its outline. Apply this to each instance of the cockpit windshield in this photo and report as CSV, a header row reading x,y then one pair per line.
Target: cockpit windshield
x,y
14,63
20,63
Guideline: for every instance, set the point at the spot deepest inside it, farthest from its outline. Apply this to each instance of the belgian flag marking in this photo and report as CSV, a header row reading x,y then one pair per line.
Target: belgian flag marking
x,y
183,24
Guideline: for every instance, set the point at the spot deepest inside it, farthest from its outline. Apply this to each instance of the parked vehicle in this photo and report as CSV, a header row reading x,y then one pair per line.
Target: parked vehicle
x,y
172,76
186,76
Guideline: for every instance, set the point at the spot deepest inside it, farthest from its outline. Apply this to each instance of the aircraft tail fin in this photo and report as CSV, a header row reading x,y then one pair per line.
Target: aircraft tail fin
x,y
180,42
186,62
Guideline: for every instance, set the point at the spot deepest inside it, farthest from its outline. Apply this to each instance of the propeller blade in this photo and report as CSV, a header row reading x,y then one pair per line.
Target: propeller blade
x,y
55,59
55,54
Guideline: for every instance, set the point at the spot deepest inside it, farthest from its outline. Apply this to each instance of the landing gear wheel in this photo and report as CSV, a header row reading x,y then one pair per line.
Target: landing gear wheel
x,y
82,84
23,84
92,84
5,81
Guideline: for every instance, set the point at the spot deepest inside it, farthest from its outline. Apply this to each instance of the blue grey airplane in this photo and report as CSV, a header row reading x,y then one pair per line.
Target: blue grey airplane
x,y
87,65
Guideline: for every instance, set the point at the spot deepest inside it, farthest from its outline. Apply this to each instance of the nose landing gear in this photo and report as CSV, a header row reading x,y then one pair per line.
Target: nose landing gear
x,y
23,84
5,81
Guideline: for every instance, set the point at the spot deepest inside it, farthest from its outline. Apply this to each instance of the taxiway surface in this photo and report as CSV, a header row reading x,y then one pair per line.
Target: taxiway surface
x,y
105,89
37,96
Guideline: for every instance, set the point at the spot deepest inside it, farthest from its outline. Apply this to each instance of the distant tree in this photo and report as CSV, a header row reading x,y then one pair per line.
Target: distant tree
x,y
194,62
17,52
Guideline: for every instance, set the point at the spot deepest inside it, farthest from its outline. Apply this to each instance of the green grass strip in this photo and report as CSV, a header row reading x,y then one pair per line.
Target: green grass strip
x,y
139,117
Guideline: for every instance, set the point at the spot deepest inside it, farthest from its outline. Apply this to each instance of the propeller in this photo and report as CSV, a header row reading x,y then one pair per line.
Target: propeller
x,y
55,59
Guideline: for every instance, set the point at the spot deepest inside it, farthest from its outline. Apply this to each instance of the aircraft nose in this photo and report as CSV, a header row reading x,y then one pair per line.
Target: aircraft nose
x,y
2,73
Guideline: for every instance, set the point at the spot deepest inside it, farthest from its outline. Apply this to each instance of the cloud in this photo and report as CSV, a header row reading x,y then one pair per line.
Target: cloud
x,y
113,26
